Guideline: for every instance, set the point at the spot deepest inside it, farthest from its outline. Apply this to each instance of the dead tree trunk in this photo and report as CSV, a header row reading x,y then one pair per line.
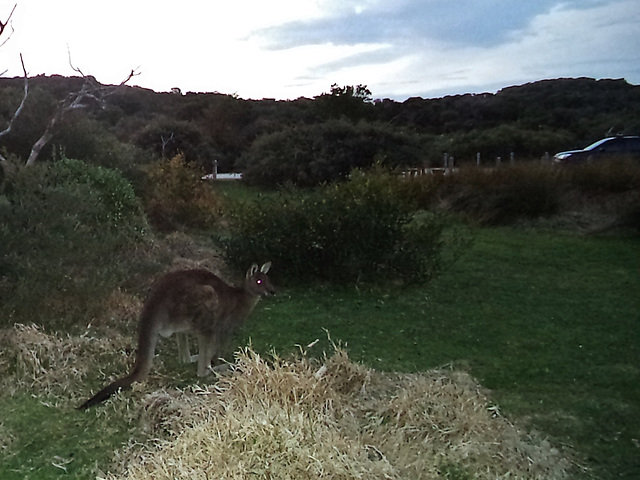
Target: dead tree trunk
x,y
72,102
4,163
91,93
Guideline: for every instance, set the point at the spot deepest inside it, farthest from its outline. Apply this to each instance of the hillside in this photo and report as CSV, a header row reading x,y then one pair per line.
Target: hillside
x,y
140,125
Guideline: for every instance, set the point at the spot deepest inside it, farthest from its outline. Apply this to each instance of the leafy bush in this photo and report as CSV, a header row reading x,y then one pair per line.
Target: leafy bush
x,y
364,229
63,228
498,141
87,138
177,197
310,155
166,137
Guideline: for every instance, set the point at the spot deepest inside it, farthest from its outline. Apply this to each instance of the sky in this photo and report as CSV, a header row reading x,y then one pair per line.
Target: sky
x,y
286,49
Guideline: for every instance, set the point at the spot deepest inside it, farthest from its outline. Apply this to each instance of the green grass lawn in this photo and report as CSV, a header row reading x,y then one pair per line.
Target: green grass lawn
x,y
549,322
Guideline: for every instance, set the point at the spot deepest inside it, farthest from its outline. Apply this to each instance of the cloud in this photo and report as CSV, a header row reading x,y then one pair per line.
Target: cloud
x,y
599,39
291,48
463,22
603,41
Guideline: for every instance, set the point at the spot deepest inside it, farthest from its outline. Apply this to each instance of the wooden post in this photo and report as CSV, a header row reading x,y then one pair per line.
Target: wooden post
x,y
478,159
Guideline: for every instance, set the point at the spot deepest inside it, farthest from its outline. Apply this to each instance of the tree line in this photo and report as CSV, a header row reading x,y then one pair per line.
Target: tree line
x,y
312,140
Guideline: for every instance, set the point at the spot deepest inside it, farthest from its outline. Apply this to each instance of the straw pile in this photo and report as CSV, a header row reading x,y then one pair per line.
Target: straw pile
x,y
51,364
303,419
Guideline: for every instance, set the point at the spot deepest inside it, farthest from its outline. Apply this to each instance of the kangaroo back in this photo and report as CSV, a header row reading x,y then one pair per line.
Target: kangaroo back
x,y
194,301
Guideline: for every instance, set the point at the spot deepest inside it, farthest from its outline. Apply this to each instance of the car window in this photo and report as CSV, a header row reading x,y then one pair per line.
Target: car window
x,y
613,145
632,144
597,144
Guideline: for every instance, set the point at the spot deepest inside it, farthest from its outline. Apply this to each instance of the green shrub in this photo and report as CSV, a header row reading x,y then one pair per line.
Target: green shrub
x,y
311,155
364,229
176,196
64,228
167,137
87,138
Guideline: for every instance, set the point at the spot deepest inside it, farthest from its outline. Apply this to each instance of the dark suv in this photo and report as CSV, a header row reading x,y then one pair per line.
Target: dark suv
x,y
620,146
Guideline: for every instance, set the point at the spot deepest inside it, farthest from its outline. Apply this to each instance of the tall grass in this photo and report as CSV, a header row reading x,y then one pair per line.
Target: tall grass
x,y
507,194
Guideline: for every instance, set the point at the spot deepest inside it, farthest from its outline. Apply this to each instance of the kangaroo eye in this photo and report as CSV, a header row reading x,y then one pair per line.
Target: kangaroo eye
x,y
259,281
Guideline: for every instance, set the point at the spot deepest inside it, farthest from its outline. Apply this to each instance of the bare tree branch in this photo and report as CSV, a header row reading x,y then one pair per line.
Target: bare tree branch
x,y
3,161
90,92
165,142
3,25
134,73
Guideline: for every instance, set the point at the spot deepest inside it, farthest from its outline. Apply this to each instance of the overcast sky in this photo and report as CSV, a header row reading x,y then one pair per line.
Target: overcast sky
x,y
292,48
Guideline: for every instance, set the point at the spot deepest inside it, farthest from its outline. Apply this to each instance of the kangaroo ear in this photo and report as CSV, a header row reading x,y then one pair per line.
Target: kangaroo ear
x,y
265,268
253,270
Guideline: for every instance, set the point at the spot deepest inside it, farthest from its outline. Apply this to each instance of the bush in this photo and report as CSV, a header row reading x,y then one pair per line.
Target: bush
x,y
177,197
87,138
498,141
311,155
364,229
166,137
63,229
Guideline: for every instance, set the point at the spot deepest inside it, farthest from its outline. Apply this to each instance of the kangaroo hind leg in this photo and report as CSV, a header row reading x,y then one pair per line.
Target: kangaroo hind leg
x,y
208,348
184,354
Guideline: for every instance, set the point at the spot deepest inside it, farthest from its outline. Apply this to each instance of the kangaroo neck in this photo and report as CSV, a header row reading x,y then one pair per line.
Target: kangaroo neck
x,y
247,303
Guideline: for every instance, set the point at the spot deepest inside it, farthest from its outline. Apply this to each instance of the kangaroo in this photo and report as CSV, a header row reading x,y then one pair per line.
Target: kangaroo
x,y
190,301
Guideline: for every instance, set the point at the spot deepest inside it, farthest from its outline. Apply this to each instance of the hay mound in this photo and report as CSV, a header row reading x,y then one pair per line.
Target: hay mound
x,y
30,358
301,419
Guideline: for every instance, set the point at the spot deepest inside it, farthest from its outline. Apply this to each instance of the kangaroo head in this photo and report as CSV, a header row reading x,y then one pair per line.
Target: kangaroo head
x,y
257,282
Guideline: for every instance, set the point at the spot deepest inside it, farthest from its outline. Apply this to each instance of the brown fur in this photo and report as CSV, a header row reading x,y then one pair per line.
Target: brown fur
x,y
190,301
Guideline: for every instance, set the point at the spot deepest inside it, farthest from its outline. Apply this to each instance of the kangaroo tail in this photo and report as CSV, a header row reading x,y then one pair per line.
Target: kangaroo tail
x,y
122,383
147,339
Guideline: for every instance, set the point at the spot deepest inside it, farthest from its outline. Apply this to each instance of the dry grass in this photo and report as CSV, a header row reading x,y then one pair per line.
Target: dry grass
x,y
293,419
31,359
301,419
